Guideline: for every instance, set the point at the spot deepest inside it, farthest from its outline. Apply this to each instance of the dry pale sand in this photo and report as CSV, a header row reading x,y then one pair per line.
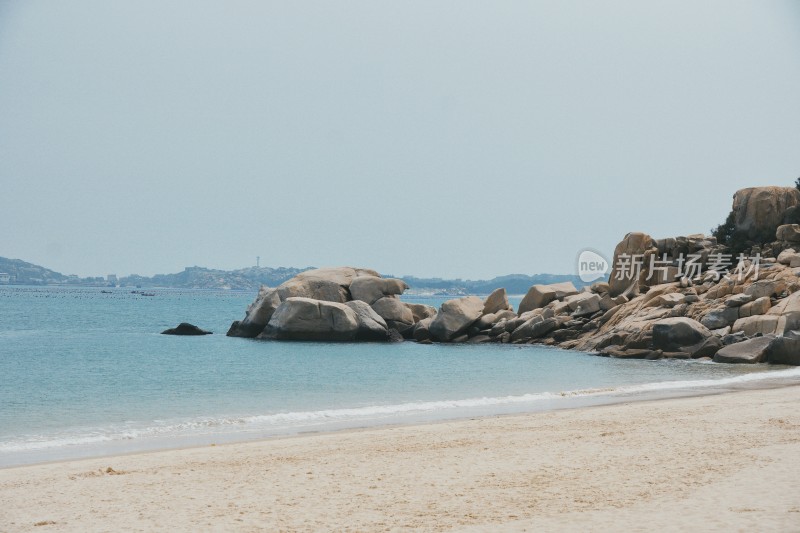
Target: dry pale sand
x,y
727,462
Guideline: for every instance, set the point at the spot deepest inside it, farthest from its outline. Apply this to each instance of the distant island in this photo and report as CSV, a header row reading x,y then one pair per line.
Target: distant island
x,y
18,272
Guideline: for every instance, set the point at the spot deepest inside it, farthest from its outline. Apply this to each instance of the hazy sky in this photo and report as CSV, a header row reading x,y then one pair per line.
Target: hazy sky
x,y
432,138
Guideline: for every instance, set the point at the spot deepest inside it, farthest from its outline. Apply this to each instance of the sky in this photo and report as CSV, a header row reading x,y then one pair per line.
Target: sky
x,y
430,138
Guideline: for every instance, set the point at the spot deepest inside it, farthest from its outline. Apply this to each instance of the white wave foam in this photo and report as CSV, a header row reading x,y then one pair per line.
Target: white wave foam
x,y
302,419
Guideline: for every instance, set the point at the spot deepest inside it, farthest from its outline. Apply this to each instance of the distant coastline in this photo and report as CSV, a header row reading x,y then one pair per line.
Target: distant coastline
x,y
18,272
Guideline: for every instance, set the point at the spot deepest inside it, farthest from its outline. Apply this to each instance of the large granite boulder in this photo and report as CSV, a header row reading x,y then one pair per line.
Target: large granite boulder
x,y
325,284
681,334
371,326
757,307
765,287
497,301
370,289
749,351
760,210
753,325
720,318
784,350
788,233
395,312
633,245
257,315
421,332
540,295
787,313
789,257
455,317
583,304
421,311
306,319
534,328
328,284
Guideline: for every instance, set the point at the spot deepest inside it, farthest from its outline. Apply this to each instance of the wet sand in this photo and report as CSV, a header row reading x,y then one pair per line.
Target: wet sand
x,y
723,462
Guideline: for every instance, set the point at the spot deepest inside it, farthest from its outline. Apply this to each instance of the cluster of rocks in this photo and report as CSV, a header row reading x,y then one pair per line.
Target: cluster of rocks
x,y
748,316
332,304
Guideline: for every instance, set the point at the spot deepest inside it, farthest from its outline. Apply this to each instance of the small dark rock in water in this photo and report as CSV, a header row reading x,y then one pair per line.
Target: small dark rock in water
x,y
184,328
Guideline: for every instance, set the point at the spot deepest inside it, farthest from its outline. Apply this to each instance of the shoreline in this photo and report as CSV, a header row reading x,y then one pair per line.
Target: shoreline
x,y
517,406
611,463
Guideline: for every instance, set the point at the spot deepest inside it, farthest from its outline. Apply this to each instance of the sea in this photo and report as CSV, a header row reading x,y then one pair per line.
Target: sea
x,y
85,372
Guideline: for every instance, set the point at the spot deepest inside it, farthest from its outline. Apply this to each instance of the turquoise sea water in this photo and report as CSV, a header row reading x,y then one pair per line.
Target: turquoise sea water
x,y
87,373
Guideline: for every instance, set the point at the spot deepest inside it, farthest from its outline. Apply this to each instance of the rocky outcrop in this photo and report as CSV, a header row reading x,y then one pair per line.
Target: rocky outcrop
x,y
662,300
455,317
750,351
497,301
684,335
395,312
184,328
421,311
757,210
540,295
784,350
623,278
370,289
257,315
307,319
788,233
371,326
326,285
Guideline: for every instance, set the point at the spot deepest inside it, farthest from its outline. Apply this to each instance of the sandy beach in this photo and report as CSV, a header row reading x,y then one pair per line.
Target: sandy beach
x,y
723,462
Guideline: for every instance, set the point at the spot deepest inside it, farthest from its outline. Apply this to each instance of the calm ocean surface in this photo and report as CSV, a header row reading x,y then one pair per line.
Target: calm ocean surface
x,y
85,373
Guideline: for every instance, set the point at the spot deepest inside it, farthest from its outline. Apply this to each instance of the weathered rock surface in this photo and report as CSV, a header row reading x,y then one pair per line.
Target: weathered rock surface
x,y
395,312
658,314
681,334
738,300
184,328
583,304
371,326
756,307
753,325
497,301
421,311
749,351
370,289
784,351
720,318
307,319
789,257
422,330
765,287
535,328
455,317
622,279
540,295
257,315
760,209
327,284
787,314
342,285
788,233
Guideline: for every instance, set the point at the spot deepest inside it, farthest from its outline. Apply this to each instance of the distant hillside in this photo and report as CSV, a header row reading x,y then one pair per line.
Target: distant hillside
x,y
22,273
205,278
513,283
